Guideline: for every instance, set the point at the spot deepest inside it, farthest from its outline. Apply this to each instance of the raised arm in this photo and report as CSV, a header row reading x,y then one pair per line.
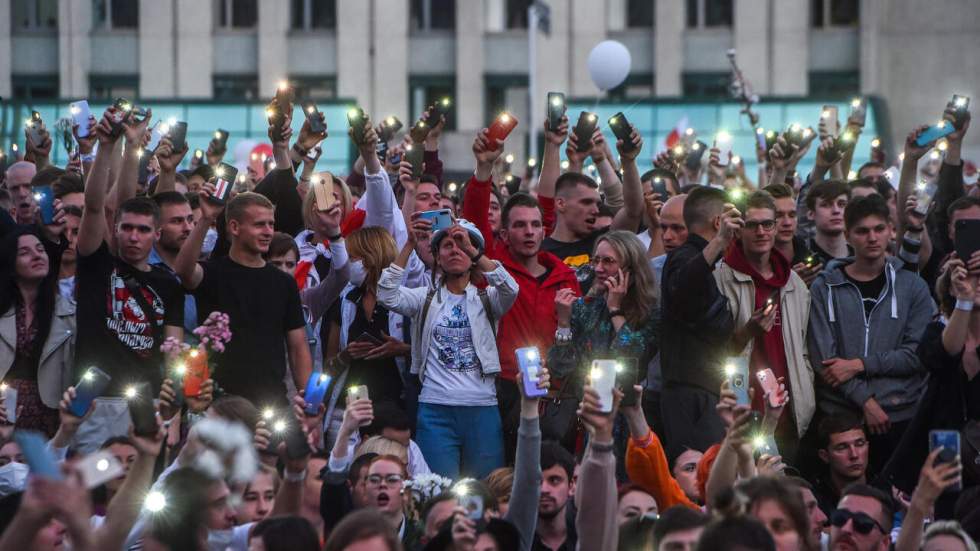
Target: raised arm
x,y
525,492
92,229
628,218
169,161
476,201
551,158
128,180
190,272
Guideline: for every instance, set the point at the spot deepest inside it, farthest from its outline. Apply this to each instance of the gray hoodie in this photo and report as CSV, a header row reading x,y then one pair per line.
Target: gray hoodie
x,y
885,341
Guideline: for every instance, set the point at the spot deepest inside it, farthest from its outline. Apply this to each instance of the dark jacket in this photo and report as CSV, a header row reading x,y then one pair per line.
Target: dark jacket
x,y
697,322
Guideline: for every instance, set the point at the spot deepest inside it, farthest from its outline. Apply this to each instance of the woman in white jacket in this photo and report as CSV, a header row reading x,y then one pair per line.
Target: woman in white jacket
x,y
454,349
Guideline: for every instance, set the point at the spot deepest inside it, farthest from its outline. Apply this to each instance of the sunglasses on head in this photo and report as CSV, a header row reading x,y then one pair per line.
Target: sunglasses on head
x,y
863,523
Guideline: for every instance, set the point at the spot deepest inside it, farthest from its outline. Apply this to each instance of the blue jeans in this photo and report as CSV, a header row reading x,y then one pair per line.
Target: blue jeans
x,y
460,439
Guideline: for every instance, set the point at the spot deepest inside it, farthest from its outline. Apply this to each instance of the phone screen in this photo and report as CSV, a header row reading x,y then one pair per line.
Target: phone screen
x,y
584,130
556,109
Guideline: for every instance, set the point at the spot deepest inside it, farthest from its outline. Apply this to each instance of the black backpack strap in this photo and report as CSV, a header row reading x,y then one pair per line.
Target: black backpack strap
x,y
485,299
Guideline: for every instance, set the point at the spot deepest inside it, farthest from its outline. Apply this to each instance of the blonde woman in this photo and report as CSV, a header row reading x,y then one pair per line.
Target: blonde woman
x,y
317,243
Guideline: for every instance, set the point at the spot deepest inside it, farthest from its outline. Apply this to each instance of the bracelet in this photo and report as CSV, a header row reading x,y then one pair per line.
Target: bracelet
x,y
477,258
597,447
87,158
965,305
294,477
337,237
563,335
613,312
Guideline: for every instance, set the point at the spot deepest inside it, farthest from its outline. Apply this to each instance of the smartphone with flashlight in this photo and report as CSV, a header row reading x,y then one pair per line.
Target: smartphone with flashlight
x,y
80,114
859,110
39,457
961,104
949,442
224,183
198,154
472,503
415,155
98,468
357,392
9,402
556,110
602,378
723,142
660,188
440,109
441,218
940,130
737,372
44,196
92,385
621,129
123,107
828,114
764,445
923,198
626,378
178,135
420,131
844,142
771,302
770,386
584,129
33,126
144,416
316,389
356,119
502,126
276,115
696,153
390,125
323,193
157,133
197,373
318,124
529,364
284,95
221,139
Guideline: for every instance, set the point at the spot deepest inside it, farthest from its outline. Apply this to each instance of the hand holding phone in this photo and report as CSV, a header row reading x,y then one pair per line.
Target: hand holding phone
x,y
316,389
323,193
737,372
39,457
92,384
529,364
141,409
502,126
441,219
602,378
556,110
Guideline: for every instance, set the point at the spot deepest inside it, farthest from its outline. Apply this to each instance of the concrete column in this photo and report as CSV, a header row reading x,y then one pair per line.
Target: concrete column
x,y
158,49
495,15
390,63
6,49
616,15
273,52
588,28
353,55
871,54
469,65
74,47
195,64
751,37
790,48
668,47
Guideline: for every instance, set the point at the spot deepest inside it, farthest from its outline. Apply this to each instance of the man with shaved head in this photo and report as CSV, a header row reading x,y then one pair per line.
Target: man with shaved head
x,y
19,176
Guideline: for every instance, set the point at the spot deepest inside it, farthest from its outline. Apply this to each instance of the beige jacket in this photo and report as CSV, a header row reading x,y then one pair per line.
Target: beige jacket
x,y
795,300
57,356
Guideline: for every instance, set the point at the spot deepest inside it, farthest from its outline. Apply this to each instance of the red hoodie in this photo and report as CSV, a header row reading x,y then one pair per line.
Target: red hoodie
x,y
767,350
532,320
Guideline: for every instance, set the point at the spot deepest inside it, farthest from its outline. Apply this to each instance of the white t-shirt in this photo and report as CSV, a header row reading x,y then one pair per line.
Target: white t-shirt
x,y
453,375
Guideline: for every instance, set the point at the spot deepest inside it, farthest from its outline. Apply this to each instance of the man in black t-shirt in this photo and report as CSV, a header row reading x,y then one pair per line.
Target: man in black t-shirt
x,y
126,308
262,302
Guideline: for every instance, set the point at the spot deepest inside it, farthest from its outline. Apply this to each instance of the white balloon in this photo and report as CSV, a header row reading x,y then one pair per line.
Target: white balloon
x,y
609,64
242,151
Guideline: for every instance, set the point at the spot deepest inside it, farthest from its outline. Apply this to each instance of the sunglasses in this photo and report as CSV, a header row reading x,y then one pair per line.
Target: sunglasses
x,y
863,523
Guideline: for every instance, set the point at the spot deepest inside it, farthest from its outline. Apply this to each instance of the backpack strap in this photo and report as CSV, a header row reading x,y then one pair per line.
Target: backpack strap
x,y
425,310
485,299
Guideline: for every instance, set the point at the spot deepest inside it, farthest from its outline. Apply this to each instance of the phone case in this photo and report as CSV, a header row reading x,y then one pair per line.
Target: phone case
x,y
723,142
142,412
39,457
697,152
961,104
357,392
316,388
502,126
389,127
967,239
529,363
93,384
940,130
44,195
584,129
441,219
98,468
923,198
859,109
80,114
770,386
440,109
660,188
420,131
949,442
224,182
829,115
123,107
356,120
222,137
621,129
556,109
626,379
415,154
296,445
737,371
197,373
10,402
844,142
473,505
603,380
317,123
178,135
323,193
33,127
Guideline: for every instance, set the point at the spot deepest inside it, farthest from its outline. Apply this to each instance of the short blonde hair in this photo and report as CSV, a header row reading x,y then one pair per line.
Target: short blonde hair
x,y
309,201
239,203
500,482
383,446
376,248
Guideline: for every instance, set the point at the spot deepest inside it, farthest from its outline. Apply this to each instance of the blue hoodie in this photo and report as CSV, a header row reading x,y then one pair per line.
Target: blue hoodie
x,y
886,341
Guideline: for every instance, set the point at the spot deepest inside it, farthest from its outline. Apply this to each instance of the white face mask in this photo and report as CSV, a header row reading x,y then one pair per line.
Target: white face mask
x,y
357,272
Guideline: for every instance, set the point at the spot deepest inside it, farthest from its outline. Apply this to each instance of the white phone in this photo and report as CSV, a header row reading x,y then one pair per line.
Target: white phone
x,y
603,380
723,141
99,468
80,114
9,402
831,124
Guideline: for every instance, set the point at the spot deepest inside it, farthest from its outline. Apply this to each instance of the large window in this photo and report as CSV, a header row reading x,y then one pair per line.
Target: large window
x,y
834,13
238,13
433,14
236,87
517,13
709,13
307,15
116,14
639,13
314,88
426,91
506,92
835,84
110,87
34,87
34,14
705,85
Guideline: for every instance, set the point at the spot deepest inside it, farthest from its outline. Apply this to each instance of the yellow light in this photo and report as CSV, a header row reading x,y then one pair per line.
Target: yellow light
x,y
390,121
807,132
846,137
934,155
943,145
921,186
564,165
795,127
759,442
408,147
618,367
960,101
102,465
760,131
194,353
736,194
856,102
197,154
28,122
689,131
504,117
556,101
591,117
311,109
509,158
241,178
38,196
283,84
219,172
729,369
696,146
130,392
596,373
678,150
532,162
531,354
172,121
324,377
3,387
851,175
771,134
825,114
255,156
88,376
657,180
509,178
74,109
14,147
444,101
180,369
155,502
736,159
217,134
941,124
269,113
279,426
453,187
353,113
901,156
422,124
272,164
139,153
164,127
268,413
875,143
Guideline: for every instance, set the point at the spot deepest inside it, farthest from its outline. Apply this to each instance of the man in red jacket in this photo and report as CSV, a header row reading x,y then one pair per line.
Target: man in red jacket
x,y
531,321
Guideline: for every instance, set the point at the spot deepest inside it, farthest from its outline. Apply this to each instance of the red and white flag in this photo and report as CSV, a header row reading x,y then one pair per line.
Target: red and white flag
x,y
676,135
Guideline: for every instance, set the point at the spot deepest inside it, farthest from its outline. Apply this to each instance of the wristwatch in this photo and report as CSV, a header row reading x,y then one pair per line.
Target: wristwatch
x,y
563,335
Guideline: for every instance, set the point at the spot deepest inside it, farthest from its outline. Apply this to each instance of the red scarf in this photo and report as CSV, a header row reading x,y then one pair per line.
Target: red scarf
x,y
767,350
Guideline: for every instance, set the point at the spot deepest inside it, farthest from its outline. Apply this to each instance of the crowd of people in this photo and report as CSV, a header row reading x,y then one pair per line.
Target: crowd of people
x,y
679,359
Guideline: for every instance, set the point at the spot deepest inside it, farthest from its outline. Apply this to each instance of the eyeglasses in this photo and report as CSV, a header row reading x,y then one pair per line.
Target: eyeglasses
x,y
391,479
766,225
863,523
604,260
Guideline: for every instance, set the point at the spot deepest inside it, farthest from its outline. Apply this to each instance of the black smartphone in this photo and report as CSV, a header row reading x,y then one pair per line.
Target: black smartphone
x,y
178,135
961,105
221,138
967,240
296,445
844,142
123,107
368,337
415,154
771,302
356,119
284,95
621,129
660,188
318,124
556,110
420,131
139,397
695,154
626,379
276,115
389,127
224,182
584,129
440,109
33,127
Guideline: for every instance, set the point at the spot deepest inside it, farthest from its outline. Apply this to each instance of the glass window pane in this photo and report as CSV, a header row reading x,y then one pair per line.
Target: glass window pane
x,y
718,13
324,14
517,13
706,85
692,13
244,13
443,14
296,14
816,13
639,13
245,87
844,12
125,14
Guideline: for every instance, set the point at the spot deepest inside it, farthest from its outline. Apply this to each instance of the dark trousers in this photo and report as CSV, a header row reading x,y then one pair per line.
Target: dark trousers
x,y
881,446
689,417
509,404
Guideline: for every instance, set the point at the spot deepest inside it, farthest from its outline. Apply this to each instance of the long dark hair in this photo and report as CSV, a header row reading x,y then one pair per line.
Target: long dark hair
x,y
10,295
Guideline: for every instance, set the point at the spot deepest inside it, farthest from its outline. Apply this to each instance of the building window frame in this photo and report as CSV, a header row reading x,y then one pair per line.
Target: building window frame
x,y
306,22
225,15
826,11
421,96
222,83
700,16
33,13
106,22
